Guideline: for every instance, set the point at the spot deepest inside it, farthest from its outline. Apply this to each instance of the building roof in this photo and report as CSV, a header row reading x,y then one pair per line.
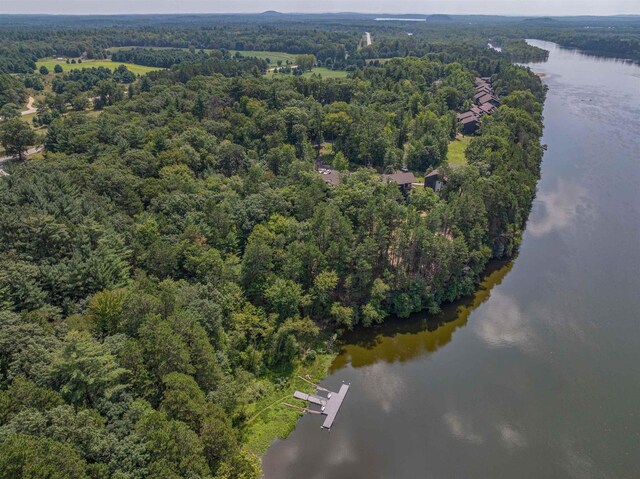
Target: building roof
x,y
486,98
466,114
469,119
435,172
487,107
400,177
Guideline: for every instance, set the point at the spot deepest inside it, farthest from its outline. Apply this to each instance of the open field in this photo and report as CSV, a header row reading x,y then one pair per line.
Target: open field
x,y
50,63
322,71
455,155
272,56
326,73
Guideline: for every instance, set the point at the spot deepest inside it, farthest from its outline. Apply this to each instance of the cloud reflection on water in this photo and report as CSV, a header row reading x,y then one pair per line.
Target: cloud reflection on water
x,y
462,428
503,324
555,210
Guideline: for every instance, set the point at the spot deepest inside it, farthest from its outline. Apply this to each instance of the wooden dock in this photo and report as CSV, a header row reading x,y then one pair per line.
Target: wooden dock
x,y
329,406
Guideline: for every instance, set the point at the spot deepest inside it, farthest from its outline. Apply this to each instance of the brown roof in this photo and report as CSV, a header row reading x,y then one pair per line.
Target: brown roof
x,y
400,177
469,119
486,98
487,107
466,114
435,172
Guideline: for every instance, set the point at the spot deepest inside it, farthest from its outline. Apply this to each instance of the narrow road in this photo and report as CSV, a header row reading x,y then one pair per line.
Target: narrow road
x,y
29,152
30,109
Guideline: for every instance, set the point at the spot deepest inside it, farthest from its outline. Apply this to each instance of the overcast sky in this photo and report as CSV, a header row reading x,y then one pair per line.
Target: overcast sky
x,y
504,7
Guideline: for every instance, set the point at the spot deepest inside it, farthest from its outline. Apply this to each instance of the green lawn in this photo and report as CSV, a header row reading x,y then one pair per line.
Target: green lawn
x,y
50,63
273,56
455,155
326,73
322,71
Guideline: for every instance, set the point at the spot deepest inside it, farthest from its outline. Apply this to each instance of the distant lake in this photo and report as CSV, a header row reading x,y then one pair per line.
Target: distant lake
x,y
400,19
537,375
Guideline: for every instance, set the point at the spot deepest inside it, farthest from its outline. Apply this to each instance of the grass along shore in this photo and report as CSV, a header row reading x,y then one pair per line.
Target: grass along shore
x,y
269,419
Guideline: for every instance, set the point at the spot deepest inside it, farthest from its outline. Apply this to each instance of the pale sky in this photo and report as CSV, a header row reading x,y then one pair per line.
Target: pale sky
x,y
502,7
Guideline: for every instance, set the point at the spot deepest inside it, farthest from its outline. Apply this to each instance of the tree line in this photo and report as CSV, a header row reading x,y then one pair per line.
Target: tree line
x,y
173,259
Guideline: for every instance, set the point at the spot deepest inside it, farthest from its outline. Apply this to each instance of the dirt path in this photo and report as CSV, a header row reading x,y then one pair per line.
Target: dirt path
x,y
30,109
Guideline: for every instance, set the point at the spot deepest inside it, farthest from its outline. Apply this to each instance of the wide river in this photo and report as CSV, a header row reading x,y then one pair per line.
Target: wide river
x,y
538,375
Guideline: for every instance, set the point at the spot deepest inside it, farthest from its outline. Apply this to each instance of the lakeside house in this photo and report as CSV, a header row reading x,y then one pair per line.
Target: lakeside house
x,y
403,178
485,103
435,180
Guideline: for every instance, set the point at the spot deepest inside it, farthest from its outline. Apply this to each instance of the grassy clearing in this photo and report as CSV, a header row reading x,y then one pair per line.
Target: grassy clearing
x,y
272,56
321,71
326,73
455,155
269,418
50,63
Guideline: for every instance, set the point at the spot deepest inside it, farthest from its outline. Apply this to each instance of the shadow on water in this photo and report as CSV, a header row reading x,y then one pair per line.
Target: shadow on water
x,y
400,340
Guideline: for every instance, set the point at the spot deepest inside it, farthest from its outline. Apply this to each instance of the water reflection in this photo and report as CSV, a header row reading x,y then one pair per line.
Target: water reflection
x,y
503,323
544,380
402,340
555,209
577,53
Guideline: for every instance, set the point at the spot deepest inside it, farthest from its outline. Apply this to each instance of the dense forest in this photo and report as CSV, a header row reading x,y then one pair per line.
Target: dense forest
x,y
174,257
333,39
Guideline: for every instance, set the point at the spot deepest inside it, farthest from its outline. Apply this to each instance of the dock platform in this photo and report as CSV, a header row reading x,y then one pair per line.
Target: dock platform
x,y
329,405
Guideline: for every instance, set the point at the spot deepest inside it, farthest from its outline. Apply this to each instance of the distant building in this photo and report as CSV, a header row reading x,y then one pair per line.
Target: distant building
x,y
487,108
434,180
485,102
404,179
488,98
470,124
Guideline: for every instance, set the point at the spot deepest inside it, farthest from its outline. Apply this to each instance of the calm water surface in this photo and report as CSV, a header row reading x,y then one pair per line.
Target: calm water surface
x,y
538,375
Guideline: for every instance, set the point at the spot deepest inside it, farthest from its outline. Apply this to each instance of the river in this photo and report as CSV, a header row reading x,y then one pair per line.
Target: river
x,y
537,375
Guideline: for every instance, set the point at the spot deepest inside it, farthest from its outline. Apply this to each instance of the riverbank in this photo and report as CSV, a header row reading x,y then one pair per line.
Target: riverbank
x,y
542,378
269,419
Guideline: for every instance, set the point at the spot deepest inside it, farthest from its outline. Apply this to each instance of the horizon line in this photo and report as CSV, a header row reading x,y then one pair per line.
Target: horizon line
x,y
323,13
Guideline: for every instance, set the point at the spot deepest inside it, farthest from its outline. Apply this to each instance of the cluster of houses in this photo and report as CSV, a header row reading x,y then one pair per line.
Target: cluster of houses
x,y
403,178
485,103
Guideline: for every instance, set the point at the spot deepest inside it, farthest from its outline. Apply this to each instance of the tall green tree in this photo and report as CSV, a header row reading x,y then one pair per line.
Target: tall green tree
x,y
16,137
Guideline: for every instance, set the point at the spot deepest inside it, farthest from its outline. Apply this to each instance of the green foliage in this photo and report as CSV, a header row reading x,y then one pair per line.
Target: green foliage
x,y
16,136
37,458
84,370
11,90
175,260
9,110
